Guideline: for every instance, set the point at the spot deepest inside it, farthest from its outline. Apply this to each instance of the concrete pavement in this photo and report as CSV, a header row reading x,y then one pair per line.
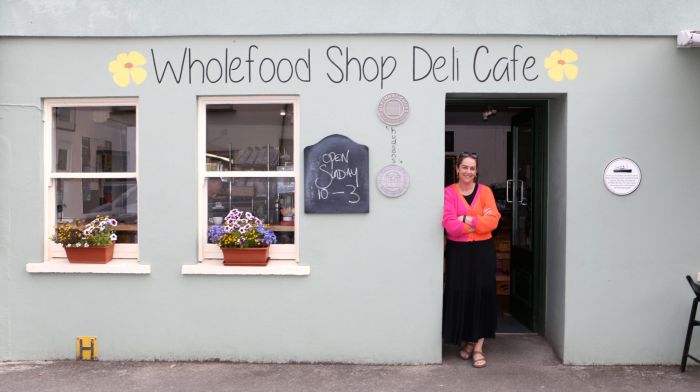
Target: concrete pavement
x,y
515,363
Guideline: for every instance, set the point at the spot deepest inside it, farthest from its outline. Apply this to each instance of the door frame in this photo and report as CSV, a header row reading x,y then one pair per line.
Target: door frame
x,y
540,107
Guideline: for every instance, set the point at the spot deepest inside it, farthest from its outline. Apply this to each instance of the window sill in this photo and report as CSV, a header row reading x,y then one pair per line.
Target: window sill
x,y
116,266
274,267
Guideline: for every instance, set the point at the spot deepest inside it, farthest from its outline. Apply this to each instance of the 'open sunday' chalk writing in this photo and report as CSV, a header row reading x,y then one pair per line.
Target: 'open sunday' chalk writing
x,y
331,173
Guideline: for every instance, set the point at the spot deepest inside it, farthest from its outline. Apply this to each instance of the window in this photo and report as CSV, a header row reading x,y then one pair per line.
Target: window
x,y
248,160
91,167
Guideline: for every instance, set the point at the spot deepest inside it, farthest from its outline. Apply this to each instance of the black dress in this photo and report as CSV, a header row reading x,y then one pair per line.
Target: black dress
x,y
469,300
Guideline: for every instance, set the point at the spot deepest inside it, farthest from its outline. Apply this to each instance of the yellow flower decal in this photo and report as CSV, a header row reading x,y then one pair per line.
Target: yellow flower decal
x,y
559,65
127,67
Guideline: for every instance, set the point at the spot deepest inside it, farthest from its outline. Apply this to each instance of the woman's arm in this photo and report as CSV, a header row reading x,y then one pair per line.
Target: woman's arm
x,y
488,220
450,219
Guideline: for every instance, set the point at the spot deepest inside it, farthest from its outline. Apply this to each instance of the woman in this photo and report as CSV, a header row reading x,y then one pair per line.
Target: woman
x,y
469,303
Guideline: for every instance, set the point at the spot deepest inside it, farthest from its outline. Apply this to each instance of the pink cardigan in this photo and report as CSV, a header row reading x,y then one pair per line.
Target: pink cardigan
x,y
455,205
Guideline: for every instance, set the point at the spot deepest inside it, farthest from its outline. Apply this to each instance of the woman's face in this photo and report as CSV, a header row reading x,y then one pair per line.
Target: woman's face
x,y
466,171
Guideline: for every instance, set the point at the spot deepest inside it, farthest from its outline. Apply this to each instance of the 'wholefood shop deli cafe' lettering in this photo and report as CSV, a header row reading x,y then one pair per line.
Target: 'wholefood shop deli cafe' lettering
x,y
342,64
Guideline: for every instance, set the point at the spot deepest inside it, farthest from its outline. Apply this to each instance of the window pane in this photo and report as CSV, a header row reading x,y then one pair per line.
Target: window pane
x,y
80,200
94,139
249,137
270,199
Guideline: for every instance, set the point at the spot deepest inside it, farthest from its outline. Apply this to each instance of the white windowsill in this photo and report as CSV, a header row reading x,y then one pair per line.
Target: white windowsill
x,y
116,266
274,267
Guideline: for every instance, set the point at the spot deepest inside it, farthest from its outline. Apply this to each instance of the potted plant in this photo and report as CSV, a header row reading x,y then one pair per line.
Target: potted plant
x,y
243,239
90,243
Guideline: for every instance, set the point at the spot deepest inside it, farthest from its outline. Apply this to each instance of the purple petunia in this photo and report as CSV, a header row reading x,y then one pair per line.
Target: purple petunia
x,y
215,233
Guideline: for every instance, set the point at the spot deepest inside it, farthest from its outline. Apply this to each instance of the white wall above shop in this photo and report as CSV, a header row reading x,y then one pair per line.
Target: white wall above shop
x,y
134,18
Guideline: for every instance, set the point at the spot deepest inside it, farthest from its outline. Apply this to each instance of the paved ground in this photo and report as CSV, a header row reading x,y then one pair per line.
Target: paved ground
x,y
516,363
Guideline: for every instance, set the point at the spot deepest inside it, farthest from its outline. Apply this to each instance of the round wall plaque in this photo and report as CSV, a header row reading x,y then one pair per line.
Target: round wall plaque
x,y
393,109
392,180
622,176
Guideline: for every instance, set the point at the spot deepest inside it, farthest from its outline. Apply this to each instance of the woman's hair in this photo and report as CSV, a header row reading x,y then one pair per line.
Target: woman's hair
x,y
472,155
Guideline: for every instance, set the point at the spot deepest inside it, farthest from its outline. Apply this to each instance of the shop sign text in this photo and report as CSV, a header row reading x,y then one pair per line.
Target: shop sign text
x,y
343,64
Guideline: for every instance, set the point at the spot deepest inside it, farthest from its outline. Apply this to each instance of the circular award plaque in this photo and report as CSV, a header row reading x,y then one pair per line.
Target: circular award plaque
x,y
393,109
392,180
622,176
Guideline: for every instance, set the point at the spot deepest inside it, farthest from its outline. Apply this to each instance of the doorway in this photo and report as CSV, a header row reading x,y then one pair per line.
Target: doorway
x,y
510,137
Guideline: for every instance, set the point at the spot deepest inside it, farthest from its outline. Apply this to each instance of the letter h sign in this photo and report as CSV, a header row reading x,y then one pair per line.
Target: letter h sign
x,y
86,348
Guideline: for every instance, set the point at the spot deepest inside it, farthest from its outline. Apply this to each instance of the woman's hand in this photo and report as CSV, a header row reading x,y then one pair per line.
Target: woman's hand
x,y
465,219
488,211
468,220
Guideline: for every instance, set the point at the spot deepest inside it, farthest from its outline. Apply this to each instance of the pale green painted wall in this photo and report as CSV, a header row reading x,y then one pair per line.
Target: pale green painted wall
x,y
4,243
626,257
374,293
555,309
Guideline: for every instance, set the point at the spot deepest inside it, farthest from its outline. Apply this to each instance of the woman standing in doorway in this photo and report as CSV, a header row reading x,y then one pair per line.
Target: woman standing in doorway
x,y
469,303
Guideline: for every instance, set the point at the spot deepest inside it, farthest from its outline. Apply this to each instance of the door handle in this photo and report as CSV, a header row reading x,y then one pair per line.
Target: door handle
x,y
508,185
522,191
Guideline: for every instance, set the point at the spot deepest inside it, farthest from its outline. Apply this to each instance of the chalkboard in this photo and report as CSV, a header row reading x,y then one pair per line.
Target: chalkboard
x,y
336,176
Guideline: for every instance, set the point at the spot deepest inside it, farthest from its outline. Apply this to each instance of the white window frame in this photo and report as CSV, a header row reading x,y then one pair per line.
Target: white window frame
x,y
212,251
51,249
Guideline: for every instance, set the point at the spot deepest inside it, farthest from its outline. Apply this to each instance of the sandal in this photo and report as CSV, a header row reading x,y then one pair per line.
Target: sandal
x,y
466,352
478,362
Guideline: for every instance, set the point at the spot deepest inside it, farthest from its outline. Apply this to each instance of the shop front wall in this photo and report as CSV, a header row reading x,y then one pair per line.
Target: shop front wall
x,y
374,291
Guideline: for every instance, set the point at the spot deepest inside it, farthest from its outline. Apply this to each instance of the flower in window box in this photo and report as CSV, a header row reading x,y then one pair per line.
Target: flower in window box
x,y
242,230
99,232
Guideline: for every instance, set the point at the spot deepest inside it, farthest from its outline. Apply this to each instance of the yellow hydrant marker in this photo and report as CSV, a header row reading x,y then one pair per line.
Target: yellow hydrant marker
x,y
86,348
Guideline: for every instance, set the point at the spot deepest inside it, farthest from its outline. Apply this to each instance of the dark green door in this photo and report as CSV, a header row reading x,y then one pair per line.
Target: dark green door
x,y
520,194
